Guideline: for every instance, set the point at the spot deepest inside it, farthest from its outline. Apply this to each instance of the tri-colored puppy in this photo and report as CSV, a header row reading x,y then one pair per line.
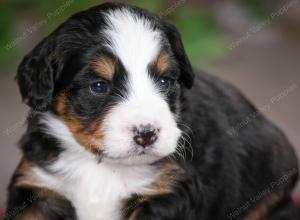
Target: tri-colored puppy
x,y
122,127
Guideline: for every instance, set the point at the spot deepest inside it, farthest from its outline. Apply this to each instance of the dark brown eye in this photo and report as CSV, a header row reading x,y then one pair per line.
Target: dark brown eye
x,y
164,83
99,87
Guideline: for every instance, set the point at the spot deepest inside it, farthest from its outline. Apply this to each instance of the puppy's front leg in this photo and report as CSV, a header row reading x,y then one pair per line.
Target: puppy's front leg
x,y
40,204
164,207
182,201
27,201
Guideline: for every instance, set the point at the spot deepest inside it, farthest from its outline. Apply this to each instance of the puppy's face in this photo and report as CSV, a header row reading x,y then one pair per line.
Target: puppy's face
x,y
114,77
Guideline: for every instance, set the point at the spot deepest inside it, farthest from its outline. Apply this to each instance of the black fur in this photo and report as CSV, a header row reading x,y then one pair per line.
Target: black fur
x,y
226,171
24,203
226,168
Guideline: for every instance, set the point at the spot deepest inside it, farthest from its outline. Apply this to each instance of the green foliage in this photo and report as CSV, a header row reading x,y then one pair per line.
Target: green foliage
x,y
258,8
202,39
6,30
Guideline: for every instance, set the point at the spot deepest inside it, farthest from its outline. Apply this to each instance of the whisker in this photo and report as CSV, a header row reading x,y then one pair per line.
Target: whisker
x,y
187,143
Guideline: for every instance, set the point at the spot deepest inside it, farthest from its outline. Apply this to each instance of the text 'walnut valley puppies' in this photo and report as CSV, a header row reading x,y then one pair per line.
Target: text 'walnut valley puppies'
x,y
121,127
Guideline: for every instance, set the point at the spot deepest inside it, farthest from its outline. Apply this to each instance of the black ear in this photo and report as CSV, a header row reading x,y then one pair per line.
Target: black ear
x,y
35,76
187,75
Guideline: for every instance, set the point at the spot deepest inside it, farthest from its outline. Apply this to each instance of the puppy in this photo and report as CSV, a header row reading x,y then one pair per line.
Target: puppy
x,y
122,127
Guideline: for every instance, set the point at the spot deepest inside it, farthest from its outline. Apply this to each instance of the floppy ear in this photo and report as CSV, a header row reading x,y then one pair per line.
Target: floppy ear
x,y
187,75
35,76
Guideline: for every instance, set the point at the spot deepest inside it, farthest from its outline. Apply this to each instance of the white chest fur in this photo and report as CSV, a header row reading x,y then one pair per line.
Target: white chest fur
x,y
96,190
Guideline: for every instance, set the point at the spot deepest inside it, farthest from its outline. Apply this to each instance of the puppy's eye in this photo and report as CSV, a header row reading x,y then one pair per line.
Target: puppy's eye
x,y
164,83
99,87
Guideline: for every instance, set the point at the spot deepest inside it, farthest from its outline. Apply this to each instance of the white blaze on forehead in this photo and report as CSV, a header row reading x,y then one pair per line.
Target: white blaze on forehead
x,y
133,40
137,44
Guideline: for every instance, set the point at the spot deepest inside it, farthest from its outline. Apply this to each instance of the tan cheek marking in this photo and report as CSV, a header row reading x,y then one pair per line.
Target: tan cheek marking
x,y
105,67
162,63
90,137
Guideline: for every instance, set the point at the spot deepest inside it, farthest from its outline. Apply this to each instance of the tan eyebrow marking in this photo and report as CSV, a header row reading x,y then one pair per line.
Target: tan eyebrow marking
x,y
105,67
162,62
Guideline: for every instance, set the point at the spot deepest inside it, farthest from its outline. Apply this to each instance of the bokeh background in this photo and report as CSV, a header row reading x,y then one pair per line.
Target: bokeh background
x,y
254,44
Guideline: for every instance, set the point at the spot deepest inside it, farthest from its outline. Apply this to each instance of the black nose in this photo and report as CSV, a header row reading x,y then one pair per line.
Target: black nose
x,y
145,135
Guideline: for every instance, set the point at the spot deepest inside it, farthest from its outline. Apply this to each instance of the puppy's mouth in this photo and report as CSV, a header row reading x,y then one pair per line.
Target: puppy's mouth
x,y
133,158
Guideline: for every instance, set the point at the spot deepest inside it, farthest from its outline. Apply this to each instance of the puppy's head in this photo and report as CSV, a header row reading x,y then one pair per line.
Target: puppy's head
x,y
113,74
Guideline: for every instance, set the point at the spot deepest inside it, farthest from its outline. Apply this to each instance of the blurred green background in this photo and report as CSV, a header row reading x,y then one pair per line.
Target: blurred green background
x,y
24,20
254,44
202,37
